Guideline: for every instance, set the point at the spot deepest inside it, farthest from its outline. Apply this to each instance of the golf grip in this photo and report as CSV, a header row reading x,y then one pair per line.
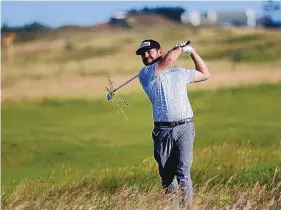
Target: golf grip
x,y
188,42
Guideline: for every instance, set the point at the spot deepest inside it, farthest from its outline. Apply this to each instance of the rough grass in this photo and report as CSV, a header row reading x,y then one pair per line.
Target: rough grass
x,y
65,154
114,52
91,193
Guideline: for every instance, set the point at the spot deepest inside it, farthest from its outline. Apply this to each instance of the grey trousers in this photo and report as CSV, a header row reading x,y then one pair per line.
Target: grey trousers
x,y
173,151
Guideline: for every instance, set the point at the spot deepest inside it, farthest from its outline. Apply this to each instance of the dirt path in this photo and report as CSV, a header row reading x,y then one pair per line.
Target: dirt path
x,y
72,86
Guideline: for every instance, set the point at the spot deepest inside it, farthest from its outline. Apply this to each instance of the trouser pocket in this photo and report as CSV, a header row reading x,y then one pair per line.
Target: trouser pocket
x,y
155,133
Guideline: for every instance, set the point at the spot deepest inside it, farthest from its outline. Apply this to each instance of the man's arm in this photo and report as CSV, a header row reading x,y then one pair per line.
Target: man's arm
x,y
167,60
202,72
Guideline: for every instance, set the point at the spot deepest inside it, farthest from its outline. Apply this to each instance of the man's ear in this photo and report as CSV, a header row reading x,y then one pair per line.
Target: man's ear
x,y
160,51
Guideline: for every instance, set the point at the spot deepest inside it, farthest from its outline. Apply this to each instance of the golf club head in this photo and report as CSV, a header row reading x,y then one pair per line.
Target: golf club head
x,y
109,96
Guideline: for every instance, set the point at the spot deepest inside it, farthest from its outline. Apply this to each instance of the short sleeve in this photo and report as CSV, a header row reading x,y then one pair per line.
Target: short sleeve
x,y
146,75
188,74
141,76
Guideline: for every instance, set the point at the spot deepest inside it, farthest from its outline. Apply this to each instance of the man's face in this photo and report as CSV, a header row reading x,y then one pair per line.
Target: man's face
x,y
150,55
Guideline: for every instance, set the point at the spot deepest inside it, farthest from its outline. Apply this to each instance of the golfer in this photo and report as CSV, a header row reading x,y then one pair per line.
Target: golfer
x,y
173,133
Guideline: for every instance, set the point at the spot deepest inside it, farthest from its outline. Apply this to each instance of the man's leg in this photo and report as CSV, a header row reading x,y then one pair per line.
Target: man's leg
x,y
165,156
185,136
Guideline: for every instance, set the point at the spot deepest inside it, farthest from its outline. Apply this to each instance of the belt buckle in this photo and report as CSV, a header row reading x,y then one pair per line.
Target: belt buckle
x,y
173,123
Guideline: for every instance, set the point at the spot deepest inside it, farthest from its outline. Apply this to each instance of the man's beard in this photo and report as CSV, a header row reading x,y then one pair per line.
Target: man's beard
x,y
154,61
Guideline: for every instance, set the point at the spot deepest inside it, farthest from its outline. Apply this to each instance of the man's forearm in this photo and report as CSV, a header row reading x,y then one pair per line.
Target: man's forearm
x,y
200,64
173,54
168,59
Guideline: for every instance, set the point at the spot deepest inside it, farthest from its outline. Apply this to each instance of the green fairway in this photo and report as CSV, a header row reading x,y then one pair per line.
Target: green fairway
x,y
238,131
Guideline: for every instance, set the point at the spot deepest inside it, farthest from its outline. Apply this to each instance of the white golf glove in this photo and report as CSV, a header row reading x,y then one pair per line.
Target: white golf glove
x,y
185,47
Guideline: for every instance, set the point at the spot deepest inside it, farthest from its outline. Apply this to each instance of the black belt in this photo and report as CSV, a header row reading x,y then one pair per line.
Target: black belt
x,y
173,123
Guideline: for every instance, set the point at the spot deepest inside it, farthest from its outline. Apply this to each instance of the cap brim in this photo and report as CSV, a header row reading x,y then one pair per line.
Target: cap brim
x,y
142,50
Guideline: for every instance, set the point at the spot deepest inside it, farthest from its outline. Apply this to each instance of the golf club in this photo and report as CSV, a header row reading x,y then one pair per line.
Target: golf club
x,y
110,94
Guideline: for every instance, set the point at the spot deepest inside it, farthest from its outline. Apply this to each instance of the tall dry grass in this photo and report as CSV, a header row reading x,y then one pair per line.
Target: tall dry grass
x,y
45,195
216,185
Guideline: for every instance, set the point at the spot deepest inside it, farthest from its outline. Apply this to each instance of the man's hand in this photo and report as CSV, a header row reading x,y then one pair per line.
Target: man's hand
x,y
185,47
183,44
187,50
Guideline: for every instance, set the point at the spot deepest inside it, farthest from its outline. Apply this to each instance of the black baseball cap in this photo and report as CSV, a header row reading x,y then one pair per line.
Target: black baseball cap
x,y
147,45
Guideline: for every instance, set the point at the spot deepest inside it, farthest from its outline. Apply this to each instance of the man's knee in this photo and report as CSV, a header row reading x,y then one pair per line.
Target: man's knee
x,y
183,172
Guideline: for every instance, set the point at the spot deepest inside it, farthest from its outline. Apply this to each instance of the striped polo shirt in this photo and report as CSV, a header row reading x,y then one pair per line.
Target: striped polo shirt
x,y
168,92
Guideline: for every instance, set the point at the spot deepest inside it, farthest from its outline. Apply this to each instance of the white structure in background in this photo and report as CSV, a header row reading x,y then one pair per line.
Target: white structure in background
x,y
192,18
120,18
235,18
251,21
212,16
120,15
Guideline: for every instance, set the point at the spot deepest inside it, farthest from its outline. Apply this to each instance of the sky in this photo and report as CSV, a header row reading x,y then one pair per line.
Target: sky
x,y
87,13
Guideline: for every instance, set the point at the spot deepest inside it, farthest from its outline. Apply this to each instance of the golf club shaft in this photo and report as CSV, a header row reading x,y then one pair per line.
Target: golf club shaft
x,y
125,83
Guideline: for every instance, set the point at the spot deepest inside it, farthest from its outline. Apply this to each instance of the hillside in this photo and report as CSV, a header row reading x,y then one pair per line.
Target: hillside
x,y
80,54
140,21
41,32
151,20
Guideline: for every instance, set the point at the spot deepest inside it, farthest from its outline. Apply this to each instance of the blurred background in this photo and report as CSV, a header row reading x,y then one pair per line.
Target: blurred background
x,y
45,41
60,137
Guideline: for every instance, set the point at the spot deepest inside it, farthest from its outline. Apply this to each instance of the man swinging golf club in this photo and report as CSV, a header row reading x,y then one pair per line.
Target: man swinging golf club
x,y
173,132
